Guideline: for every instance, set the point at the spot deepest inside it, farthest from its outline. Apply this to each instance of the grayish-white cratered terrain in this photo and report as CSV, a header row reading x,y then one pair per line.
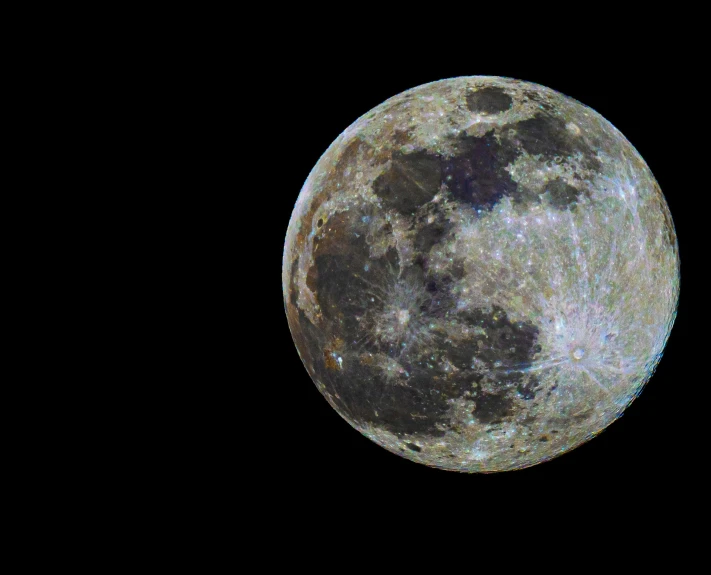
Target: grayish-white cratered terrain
x,y
480,274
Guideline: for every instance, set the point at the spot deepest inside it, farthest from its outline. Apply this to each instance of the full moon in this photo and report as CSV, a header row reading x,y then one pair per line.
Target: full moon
x,y
480,274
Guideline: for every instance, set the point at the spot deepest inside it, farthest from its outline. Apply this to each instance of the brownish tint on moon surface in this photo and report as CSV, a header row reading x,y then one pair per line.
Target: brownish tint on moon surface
x,y
480,274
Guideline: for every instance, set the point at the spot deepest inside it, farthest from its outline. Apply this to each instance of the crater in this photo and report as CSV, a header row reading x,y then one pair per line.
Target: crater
x,y
489,100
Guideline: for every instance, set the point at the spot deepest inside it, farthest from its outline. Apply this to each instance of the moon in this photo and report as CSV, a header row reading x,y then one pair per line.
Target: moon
x,y
480,274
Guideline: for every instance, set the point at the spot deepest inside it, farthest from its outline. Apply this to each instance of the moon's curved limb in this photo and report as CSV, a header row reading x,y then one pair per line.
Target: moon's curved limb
x,y
480,274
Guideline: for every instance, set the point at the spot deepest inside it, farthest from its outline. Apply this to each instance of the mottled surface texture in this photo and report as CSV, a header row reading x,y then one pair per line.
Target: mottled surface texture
x,y
480,274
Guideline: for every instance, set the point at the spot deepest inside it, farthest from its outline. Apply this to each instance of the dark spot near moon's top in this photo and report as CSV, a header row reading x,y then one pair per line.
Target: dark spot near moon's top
x,y
413,447
476,174
320,222
489,101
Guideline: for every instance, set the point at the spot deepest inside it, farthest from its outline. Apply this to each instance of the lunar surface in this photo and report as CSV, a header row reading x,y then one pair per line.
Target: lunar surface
x,y
480,274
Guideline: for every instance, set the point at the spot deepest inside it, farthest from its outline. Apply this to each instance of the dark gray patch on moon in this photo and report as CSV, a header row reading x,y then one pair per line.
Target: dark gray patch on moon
x,y
562,195
489,101
476,175
411,181
415,397
430,229
493,407
547,136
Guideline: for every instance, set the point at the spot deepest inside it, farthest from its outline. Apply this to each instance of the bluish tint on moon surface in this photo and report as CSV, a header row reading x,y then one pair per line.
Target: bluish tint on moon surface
x,y
480,274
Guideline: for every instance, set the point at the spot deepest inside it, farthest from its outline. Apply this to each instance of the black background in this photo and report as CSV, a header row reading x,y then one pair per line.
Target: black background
x,y
655,451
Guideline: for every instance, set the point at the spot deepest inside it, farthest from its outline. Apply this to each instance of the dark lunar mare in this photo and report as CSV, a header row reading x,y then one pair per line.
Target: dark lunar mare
x,y
351,300
411,180
474,175
505,349
546,135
